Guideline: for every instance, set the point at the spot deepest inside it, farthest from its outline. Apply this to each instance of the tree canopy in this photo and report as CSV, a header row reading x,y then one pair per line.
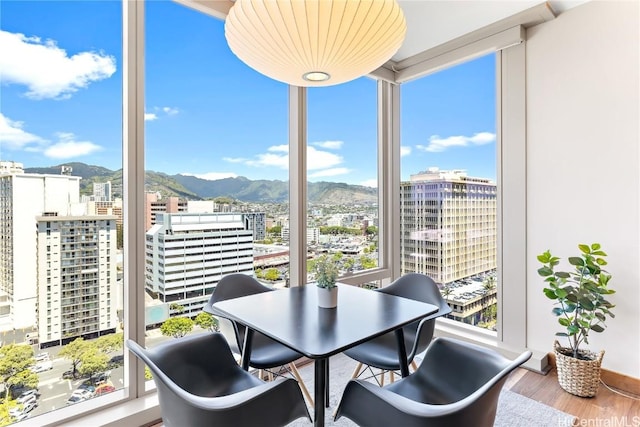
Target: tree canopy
x,y
91,357
206,321
176,327
15,360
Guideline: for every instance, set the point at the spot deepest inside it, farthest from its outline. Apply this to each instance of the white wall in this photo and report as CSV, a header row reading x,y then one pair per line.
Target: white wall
x,y
583,181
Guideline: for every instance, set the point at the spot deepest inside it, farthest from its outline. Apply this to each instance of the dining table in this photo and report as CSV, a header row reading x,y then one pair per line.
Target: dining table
x,y
292,317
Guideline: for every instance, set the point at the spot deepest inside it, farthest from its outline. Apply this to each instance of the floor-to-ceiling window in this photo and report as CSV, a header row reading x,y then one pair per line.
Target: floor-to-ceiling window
x,y
216,162
448,190
342,174
61,246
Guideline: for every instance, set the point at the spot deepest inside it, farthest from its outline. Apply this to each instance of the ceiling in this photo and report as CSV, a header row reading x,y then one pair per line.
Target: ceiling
x,y
430,23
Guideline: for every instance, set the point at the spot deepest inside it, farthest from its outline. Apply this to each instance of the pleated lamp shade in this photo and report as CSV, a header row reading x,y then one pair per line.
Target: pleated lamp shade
x,y
315,42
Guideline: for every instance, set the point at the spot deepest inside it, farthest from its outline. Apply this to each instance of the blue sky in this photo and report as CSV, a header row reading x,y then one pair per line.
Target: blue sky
x,y
206,112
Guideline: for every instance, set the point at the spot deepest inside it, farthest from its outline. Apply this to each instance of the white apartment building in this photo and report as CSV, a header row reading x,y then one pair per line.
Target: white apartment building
x,y
448,225
102,191
77,276
187,254
313,234
23,197
258,220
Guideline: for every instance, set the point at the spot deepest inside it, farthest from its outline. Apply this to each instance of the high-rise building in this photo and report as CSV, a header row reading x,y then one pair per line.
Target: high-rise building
x,y
102,191
155,204
187,254
7,167
76,269
23,197
447,225
257,221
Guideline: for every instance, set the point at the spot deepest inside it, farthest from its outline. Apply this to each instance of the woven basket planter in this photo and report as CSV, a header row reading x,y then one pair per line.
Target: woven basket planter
x,y
577,376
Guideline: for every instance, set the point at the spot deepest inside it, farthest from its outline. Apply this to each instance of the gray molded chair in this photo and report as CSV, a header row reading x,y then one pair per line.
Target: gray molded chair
x,y
457,384
382,352
199,383
265,352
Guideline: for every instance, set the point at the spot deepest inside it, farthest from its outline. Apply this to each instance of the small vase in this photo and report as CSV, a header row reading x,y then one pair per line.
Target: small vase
x,y
328,297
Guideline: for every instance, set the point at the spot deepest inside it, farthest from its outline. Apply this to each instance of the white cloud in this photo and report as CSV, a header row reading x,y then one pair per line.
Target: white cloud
x,y
13,136
278,156
282,148
405,150
212,176
330,145
46,70
270,160
170,111
67,147
234,159
317,159
373,183
330,172
437,144
164,111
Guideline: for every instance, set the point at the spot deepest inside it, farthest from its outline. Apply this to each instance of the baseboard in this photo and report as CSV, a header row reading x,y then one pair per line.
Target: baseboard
x,y
613,379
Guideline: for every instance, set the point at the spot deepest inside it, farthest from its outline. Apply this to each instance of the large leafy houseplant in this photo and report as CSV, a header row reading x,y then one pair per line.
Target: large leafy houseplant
x,y
579,295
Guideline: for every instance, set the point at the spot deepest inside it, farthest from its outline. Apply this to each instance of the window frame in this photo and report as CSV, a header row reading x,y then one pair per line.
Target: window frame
x,y
135,404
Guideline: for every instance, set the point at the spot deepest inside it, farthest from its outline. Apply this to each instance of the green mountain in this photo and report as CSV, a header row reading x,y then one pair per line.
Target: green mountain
x,y
240,188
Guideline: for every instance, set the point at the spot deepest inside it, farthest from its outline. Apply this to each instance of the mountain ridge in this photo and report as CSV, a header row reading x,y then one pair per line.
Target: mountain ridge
x,y
193,188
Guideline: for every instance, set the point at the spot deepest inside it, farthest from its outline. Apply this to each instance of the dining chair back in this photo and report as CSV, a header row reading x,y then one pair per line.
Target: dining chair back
x,y
199,383
265,352
457,384
382,352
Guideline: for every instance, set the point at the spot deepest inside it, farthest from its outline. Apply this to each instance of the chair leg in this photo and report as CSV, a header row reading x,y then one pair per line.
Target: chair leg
x,y
296,374
382,373
270,375
356,372
391,377
414,365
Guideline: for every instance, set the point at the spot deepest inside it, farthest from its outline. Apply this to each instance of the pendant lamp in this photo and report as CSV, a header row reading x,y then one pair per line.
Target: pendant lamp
x,y
315,42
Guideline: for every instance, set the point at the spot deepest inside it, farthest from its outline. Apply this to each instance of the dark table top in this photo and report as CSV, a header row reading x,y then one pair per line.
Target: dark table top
x,y
292,317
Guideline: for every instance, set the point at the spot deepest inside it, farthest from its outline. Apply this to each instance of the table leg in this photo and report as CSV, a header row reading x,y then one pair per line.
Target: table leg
x,y
326,384
402,353
320,370
246,348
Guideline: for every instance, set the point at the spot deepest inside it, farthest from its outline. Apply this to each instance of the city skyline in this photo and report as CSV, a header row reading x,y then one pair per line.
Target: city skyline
x,y
61,102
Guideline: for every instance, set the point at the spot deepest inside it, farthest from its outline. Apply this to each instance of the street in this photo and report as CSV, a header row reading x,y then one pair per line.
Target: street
x,y
54,391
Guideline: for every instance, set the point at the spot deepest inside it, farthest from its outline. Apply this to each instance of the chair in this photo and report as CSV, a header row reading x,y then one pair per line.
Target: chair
x,y
457,384
382,352
199,383
265,352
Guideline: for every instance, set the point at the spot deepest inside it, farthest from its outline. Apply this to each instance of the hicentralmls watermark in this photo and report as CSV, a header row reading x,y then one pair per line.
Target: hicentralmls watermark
x,y
602,422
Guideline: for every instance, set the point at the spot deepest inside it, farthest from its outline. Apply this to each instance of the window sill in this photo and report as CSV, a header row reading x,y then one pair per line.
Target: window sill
x,y
142,411
450,328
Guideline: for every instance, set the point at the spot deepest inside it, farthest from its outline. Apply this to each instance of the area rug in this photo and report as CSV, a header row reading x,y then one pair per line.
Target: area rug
x,y
514,410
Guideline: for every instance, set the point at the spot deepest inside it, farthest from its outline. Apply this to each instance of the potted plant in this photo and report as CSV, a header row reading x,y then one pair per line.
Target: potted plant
x,y
581,308
326,275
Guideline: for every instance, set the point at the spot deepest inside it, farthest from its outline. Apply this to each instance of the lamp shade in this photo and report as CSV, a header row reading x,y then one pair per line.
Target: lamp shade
x,y
315,42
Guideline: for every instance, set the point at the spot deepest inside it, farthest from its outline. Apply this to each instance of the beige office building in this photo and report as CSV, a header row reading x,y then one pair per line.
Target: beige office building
x,y
448,225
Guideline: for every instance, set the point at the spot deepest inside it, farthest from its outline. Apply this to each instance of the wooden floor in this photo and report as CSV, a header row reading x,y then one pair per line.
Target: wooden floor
x,y
607,408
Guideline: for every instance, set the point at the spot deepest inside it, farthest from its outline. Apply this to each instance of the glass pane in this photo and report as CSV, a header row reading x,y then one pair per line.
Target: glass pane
x,y
448,190
216,156
342,174
61,295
